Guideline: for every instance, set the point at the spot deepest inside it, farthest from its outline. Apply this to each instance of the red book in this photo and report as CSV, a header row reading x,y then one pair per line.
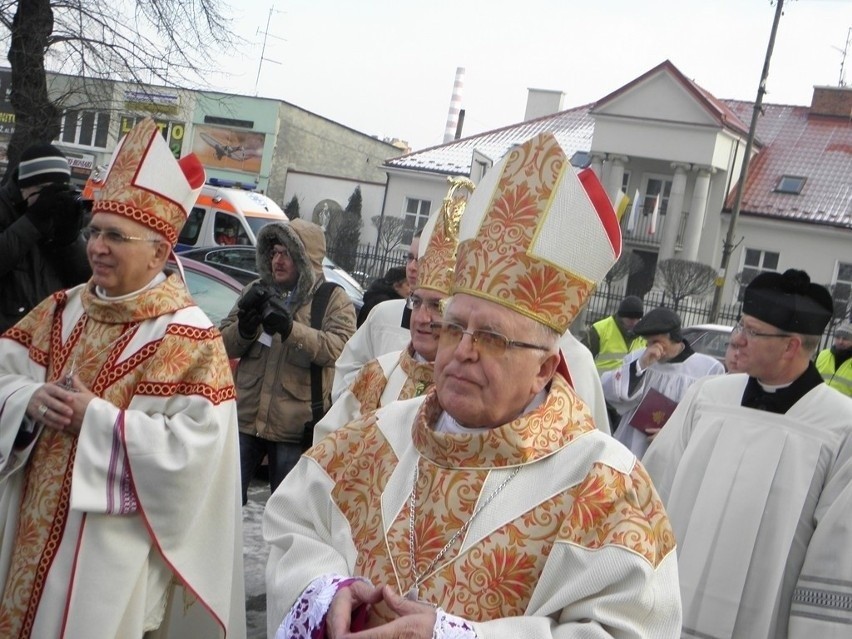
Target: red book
x,y
653,411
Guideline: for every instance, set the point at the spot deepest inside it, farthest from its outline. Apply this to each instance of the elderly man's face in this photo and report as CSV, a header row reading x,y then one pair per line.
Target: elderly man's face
x,y
759,355
481,390
125,256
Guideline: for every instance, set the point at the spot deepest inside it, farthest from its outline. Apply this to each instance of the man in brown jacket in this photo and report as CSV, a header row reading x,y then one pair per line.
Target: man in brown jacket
x,y
269,329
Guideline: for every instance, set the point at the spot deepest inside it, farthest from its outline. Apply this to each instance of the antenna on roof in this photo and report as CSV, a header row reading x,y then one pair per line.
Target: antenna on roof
x,y
842,81
266,34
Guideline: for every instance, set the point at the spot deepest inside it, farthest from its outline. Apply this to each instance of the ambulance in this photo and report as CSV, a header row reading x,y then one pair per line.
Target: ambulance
x,y
225,213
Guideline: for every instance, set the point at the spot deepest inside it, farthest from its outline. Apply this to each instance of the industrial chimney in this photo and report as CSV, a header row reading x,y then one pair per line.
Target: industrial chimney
x,y
455,107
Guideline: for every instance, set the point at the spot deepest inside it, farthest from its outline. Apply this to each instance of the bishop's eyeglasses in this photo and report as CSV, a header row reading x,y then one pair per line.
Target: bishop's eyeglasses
x,y
113,237
486,342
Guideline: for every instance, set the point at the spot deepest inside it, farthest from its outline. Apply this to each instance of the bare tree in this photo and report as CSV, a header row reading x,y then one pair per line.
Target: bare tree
x,y
165,42
682,279
391,231
627,264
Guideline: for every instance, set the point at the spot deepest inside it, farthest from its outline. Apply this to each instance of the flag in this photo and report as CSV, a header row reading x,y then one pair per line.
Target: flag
x,y
634,213
655,215
620,205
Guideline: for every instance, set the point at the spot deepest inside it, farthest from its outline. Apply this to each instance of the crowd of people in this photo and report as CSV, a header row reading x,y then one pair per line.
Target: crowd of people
x,y
452,464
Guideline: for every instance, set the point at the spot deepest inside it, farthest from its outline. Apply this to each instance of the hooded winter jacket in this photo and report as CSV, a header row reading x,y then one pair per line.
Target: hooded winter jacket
x,y
273,377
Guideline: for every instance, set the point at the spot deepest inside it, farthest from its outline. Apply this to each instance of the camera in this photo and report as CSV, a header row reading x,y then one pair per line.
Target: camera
x,y
274,309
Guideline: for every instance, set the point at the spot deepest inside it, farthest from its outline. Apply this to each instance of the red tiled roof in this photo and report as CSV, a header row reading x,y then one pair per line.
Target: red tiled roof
x,y
817,148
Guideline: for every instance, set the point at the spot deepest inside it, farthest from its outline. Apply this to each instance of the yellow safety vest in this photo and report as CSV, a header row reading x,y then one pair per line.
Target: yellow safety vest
x,y
838,378
613,349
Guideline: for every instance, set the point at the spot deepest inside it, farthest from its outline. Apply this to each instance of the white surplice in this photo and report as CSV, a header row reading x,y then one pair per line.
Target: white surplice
x,y
761,504
672,379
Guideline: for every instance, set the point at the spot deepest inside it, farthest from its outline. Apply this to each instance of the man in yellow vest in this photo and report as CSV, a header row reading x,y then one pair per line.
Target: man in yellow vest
x,y
835,363
612,338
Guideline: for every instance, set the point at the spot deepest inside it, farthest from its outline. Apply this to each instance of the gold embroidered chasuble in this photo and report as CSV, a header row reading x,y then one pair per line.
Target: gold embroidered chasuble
x,y
371,382
492,571
121,350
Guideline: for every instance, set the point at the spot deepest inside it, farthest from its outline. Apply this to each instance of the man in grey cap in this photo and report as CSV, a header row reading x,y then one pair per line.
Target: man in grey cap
x,y
41,249
651,381
835,363
755,470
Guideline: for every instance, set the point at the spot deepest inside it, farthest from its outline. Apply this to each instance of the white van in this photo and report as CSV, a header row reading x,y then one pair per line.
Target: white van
x,y
224,215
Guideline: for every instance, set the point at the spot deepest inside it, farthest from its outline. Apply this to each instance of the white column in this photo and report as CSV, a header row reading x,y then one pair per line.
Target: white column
x,y
597,164
697,210
674,211
616,175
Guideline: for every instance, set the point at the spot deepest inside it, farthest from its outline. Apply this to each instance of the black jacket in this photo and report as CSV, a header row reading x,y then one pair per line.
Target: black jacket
x,y
31,266
378,292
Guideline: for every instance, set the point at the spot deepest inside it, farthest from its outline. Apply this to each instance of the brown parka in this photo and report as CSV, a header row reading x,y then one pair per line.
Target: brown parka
x,y
274,381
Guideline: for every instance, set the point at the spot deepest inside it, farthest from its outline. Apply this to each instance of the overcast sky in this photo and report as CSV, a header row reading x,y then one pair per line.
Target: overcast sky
x,y
386,67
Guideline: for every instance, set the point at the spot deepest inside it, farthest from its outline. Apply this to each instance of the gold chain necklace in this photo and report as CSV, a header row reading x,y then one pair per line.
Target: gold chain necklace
x,y
412,593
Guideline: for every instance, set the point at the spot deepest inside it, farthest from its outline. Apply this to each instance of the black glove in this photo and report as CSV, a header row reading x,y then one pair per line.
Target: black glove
x,y
248,321
277,319
250,307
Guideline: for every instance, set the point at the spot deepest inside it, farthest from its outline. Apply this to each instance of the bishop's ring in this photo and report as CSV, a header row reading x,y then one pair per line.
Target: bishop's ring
x,y
42,410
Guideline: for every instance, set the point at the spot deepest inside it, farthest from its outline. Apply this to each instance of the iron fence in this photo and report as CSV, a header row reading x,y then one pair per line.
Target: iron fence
x,y
365,263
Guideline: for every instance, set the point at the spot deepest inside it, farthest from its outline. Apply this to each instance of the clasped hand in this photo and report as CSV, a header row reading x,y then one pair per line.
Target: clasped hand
x,y
414,619
59,408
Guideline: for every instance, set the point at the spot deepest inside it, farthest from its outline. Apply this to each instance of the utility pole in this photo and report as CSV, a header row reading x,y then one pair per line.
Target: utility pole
x,y
728,246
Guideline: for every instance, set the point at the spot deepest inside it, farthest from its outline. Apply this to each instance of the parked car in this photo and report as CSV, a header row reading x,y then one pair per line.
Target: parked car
x,y
710,339
240,262
215,292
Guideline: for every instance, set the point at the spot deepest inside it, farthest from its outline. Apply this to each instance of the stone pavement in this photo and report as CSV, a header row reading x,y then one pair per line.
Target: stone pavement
x,y
255,552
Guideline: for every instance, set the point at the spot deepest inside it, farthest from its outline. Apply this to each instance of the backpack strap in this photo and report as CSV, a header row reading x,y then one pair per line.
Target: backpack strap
x,y
319,305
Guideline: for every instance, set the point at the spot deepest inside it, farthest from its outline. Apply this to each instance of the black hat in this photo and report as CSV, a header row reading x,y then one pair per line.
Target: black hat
x,y
41,164
790,302
631,306
657,322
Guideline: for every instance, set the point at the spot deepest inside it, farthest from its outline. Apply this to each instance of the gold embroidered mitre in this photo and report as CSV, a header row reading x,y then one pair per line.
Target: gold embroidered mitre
x,y
146,184
440,239
536,236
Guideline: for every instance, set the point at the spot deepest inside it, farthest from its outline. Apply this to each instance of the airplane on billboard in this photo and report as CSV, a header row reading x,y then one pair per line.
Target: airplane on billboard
x,y
238,153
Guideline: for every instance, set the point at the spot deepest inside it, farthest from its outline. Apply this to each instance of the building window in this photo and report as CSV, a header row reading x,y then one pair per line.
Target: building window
x,y
85,128
841,289
656,187
416,214
755,262
790,184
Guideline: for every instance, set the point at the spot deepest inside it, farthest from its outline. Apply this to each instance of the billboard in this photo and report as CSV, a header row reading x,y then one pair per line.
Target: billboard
x,y
231,149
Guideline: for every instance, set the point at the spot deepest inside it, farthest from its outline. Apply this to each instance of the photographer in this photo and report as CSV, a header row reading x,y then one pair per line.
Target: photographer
x,y
269,330
41,249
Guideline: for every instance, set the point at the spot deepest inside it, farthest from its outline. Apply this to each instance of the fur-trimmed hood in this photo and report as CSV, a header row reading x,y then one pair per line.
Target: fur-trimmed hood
x,y
305,242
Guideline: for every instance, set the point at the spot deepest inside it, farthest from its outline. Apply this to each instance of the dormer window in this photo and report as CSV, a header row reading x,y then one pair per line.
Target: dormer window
x,y
790,184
